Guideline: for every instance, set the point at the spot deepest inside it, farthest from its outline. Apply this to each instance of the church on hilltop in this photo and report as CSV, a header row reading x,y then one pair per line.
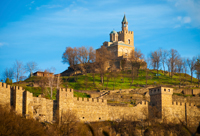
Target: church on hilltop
x,y
122,42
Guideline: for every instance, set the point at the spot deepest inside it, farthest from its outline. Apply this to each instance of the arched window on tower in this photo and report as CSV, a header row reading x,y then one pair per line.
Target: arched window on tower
x,y
129,41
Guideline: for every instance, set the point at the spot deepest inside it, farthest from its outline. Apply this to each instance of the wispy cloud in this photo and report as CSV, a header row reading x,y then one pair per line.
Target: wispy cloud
x,y
30,5
177,26
191,9
186,19
2,44
49,7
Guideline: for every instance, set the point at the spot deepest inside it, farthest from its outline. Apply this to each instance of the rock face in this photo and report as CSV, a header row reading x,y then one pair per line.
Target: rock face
x,y
91,109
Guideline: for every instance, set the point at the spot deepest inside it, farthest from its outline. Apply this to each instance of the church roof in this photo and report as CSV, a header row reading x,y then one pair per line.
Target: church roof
x,y
113,32
124,19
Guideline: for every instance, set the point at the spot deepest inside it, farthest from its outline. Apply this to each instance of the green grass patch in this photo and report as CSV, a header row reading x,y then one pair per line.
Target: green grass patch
x,y
123,81
79,94
184,95
35,90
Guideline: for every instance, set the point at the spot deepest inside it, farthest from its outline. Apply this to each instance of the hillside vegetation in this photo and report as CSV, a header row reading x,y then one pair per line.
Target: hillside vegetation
x,y
123,81
120,80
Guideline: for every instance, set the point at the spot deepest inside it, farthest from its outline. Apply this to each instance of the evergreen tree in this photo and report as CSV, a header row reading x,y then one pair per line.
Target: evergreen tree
x,y
7,81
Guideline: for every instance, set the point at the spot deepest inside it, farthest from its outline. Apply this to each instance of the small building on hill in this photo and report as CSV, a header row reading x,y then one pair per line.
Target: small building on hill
x,y
43,74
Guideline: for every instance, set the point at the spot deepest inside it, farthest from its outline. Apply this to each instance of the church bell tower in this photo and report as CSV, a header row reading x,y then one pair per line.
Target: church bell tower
x,y
124,24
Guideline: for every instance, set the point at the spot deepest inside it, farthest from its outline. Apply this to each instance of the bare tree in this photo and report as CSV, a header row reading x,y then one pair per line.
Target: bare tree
x,y
185,66
42,83
51,80
148,61
164,58
70,57
169,65
179,65
180,68
123,65
156,58
191,65
92,63
173,57
30,67
83,58
19,71
135,61
58,81
103,56
8,73
113,73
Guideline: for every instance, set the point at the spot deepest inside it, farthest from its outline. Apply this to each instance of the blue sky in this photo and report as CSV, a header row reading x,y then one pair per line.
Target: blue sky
x,y
40,30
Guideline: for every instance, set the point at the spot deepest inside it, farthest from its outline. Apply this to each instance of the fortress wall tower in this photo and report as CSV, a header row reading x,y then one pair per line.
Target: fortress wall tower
x,y
28,104
160,100
64,101
17,96
5,94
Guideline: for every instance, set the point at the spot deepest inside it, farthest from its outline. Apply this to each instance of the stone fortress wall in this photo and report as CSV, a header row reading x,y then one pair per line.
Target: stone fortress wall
x,y
92,109
86,109
172,111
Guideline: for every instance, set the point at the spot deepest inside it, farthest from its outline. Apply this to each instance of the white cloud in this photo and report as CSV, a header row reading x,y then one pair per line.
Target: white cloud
x,y
177,26
2,44
179,18
182,20
190,8
186,20
49,6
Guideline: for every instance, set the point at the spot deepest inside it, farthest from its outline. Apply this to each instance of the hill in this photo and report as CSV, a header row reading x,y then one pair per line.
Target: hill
x,y
112,81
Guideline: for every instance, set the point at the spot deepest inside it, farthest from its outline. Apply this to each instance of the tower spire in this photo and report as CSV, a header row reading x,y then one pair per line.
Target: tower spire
x,y
124,24
124,19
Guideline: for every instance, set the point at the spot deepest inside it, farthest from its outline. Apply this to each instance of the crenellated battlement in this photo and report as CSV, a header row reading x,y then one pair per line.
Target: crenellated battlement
x,y
144,103
125,32
90,109
175,103
90,100
68,90
190,104
160,90
4,85
18,88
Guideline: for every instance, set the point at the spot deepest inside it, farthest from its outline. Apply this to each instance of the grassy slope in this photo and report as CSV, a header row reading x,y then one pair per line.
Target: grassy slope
x,y
80,84
86,82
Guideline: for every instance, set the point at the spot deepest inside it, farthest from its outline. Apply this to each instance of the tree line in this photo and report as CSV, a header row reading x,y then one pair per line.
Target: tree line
x,y
18,71
102,61
174,63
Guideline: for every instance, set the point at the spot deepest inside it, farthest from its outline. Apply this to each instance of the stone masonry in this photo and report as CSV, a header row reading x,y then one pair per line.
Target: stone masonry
x,y
91,109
